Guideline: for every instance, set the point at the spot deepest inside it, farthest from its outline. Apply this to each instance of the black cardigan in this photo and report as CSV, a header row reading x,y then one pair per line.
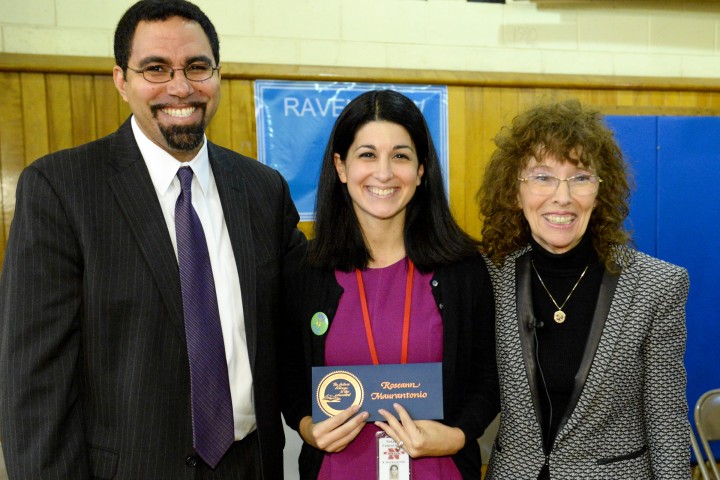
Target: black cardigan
x,y
464,297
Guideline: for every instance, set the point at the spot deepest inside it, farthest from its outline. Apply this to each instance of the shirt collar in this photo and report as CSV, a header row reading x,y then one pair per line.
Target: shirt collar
x,y
163,167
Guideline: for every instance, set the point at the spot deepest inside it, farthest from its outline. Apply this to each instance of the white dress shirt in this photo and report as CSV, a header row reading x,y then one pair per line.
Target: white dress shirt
x,y
163,169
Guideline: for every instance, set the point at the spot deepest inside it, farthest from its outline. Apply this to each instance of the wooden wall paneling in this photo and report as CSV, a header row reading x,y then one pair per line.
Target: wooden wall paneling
x,y
697,99
710,101
59,111
646,98
491,121
670,99
457,134
81,104
475,150
242,114
686,103
34,116
582,95
533,96
529,97
12,146
82,101
561,94
689,99
657,99
219,130
107,107
675,99
602,99
510,106
525,96
626,98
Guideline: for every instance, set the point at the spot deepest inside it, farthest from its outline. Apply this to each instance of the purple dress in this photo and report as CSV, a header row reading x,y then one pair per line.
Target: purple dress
x,y
347,345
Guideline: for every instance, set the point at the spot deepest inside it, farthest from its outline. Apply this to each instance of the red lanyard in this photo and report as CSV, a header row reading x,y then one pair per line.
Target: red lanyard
x,y
406,315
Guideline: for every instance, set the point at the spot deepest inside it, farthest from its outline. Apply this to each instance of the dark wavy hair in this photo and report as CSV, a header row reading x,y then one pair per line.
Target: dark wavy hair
x,y
571,134
157,11
432,237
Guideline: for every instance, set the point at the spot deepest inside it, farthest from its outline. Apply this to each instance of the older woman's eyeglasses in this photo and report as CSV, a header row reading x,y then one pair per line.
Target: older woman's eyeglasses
x,y
544,184
195,72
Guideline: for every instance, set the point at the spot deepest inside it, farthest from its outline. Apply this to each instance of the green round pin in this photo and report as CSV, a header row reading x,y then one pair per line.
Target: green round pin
x,y
319,323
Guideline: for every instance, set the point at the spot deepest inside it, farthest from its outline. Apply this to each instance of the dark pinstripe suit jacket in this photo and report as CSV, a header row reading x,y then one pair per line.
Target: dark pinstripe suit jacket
x,y
93,361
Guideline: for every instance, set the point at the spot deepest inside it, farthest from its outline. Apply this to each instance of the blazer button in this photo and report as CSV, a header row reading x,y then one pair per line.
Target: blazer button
x,y
191,461
434,283
440,306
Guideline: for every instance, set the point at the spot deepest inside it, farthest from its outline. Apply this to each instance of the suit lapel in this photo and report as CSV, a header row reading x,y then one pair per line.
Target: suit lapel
x,y
135,194
526,326
233,197
601,316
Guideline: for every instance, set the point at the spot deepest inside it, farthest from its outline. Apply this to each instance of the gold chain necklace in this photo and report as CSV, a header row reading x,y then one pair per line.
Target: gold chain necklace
x,y
559,316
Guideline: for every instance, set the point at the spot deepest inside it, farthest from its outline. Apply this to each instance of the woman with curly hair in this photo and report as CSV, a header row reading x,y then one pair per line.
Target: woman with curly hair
x,y
590,332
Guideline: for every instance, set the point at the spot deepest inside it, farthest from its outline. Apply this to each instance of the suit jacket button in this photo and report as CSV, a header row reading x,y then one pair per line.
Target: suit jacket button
x,y
191,461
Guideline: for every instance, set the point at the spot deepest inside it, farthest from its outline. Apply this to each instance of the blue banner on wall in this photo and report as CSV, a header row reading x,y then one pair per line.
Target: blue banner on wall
x,y
294,121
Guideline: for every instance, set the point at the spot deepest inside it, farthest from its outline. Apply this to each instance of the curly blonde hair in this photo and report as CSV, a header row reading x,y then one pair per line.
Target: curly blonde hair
x,y
571,134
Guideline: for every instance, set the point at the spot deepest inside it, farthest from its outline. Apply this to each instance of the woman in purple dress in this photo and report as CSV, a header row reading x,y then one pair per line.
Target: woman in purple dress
x,y
394,280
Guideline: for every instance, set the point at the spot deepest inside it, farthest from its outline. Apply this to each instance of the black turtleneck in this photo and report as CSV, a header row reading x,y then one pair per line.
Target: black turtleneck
x,y
560,347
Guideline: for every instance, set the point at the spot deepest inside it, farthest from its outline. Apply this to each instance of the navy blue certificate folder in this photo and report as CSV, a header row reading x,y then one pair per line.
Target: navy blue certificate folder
x,y
415,386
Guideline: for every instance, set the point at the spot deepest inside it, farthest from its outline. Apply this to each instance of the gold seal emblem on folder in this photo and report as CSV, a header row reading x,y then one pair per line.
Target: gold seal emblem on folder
x,y
338,391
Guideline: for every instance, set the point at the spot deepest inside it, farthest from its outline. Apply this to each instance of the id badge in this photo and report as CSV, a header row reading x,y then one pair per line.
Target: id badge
x,y
392,461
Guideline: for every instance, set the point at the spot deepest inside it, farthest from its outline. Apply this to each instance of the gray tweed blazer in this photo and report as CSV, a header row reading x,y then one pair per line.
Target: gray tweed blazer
x,y
627,417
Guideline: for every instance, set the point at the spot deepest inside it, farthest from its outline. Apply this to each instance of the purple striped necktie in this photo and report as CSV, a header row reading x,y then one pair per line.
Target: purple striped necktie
x,y
212,416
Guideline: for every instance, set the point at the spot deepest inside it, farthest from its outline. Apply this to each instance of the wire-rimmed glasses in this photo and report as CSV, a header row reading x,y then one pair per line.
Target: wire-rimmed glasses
x,y
543,184
195,72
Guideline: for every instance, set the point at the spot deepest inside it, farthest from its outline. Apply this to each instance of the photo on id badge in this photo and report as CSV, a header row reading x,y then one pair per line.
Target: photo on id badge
x,y
393,462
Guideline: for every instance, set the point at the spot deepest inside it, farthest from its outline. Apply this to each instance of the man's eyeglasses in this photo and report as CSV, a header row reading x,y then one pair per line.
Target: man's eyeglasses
x,y
195,72
544,184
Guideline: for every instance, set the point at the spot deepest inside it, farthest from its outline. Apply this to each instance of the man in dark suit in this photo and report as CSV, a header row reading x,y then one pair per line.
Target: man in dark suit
x,y
102,329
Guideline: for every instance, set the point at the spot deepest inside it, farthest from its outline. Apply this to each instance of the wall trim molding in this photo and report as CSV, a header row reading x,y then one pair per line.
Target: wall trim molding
x,y
233,70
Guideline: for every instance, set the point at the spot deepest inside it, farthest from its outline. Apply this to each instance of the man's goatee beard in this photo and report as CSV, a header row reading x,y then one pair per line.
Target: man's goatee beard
x,y
184,137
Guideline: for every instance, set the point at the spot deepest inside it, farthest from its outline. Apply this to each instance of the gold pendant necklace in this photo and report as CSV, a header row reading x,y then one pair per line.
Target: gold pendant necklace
x,y
559,316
